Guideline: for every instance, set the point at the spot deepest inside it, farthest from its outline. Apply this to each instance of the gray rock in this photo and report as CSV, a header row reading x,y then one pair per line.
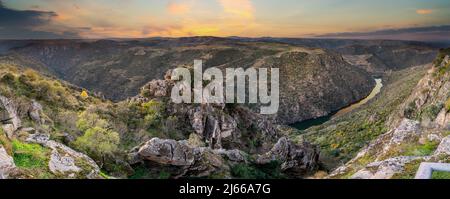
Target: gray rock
x,y
234,155
298,159
168,152
64,159
444,147
35,112
62,164
156,88
6,164
13,116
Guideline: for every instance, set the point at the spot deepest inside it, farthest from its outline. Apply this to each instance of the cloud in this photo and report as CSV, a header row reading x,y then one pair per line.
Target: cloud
x,y
176,8
428,33
31,24
424,11
238,8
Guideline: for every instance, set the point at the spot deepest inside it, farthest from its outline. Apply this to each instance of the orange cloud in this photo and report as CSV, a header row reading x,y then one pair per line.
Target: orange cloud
x,y
178,8
239,8
424,11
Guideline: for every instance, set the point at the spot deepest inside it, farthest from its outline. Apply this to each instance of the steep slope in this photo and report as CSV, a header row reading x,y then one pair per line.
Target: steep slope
x,y
52,129
314,82
418,131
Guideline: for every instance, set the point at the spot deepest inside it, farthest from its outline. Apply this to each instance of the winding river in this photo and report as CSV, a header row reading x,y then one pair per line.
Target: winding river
x,y
318,121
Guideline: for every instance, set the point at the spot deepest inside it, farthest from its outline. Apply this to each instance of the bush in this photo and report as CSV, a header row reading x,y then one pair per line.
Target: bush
x,y
246,171
98,142
89,120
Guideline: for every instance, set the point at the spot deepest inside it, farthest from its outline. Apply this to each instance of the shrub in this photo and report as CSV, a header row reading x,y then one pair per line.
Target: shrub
x,y
247,171
84,95
87,120
98,142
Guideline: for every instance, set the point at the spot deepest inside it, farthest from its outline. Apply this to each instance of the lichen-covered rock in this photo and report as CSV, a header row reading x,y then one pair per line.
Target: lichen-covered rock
x,y
384,169
35,112
7,165
156,88
168,152
298,159
184,159
13,121
444,147
62,163
65,161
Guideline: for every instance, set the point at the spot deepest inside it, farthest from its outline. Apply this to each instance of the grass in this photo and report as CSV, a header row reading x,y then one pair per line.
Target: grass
x,y
29,155
440,175
422,150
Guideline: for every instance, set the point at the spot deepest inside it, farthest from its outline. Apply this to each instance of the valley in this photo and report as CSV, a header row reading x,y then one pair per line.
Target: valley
x,y
105,104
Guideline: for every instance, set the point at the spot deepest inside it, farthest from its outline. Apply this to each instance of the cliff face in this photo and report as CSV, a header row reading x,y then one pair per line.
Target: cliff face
x,y
418,131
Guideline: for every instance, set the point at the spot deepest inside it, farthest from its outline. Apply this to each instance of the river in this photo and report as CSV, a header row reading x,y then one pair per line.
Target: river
x,y
318,121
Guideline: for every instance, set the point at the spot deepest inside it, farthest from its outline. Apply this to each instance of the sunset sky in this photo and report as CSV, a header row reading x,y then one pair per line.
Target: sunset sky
x,y
249,18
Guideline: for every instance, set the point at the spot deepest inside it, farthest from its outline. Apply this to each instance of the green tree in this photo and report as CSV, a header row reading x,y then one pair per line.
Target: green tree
x,y
98,142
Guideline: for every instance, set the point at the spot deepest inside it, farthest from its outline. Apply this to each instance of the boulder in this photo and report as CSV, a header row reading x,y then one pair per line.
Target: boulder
x,y
7,165
66,161
183,159
167,152
35,112
156,88
385,169
296,159
444,147
14,122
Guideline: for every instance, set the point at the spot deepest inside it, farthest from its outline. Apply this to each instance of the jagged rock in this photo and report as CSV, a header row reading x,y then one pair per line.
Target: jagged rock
x,y
443,119
406,129
168,152
444,147
188,161
35,112
14,122
213,125
62,164
234,155
156,88
7,165
64,160
384,169
298,159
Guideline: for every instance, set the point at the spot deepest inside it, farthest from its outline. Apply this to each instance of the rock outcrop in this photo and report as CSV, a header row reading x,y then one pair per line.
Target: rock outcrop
x,y
296,159
419,133
7,165
203,161
66,162
12,120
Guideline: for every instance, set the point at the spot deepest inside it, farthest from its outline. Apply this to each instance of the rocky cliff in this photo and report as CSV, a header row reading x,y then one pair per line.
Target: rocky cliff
x,y
418,131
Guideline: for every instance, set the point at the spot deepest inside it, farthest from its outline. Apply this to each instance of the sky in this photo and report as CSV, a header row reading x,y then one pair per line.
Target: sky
x,y
404,19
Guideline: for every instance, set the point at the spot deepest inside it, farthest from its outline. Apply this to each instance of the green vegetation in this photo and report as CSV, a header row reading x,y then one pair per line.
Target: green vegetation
x,y
341,138
98,142
247,171
421,150
438,175
29,155
447,105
